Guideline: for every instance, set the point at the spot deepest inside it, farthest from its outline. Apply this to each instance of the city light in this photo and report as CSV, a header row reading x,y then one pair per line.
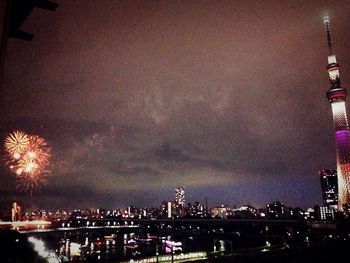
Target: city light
x,y
178,134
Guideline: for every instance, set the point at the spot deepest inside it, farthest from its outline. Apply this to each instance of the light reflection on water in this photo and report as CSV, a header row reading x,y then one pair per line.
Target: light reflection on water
x,y
88,246
39,247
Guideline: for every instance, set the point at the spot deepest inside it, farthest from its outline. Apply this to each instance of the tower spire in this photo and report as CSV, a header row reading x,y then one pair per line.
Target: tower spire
x,y
328,31
337,96
333,66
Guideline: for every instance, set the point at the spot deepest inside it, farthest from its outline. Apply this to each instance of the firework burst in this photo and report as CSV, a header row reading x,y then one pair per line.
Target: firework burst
x,y
16,143
31,182
28,156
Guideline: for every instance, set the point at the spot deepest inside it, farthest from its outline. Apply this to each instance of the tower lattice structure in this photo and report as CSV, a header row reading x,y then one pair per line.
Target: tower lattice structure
x,y
336,96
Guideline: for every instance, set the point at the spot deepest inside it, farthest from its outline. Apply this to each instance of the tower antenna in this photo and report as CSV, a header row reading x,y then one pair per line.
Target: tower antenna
x,y
337,96
328,30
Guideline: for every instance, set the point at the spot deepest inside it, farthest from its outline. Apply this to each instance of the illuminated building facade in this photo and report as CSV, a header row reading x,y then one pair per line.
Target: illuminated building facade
x,y
336,96
329,187
179,202
196,210
245,212
180,197
220,211
277,210
325,213
169,212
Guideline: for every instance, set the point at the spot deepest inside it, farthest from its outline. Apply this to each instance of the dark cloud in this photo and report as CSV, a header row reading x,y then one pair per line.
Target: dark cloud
x,y
226,98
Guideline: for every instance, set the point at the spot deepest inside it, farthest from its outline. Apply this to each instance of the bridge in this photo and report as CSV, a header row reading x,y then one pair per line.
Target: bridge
x,y
18,225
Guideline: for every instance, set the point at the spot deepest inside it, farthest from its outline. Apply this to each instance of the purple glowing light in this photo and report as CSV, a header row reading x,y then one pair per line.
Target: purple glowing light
x,y
342,139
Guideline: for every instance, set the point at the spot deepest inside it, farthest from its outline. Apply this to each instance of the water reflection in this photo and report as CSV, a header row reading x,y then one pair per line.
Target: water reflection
x,y
92,246
39,247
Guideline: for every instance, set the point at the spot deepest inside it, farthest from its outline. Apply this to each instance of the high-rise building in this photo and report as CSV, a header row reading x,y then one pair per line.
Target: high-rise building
x,y
336,96
180,197
324,213
329,187
179,202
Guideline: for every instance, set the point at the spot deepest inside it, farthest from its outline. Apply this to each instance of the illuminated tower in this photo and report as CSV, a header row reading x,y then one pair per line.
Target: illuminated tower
x,y
336,96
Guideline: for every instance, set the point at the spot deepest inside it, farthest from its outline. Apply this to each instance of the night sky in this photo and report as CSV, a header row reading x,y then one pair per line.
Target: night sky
x,y
225,98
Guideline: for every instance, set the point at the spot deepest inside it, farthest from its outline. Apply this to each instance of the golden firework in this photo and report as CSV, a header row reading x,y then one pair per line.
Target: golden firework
x,y
30,182
28,156
16,143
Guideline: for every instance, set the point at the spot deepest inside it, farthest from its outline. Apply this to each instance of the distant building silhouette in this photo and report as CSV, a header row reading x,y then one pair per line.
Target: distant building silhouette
x,y
277,210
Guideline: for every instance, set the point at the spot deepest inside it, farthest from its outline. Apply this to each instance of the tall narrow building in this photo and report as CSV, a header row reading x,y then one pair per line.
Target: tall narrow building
x,y
329,187
180,197
179,202
336,96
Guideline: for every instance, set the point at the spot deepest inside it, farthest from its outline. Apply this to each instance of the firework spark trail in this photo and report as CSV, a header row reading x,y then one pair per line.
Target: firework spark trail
x,y
38,151
28,156
30,182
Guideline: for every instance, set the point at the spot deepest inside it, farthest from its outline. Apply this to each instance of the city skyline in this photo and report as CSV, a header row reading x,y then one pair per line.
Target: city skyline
x,y
226,99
